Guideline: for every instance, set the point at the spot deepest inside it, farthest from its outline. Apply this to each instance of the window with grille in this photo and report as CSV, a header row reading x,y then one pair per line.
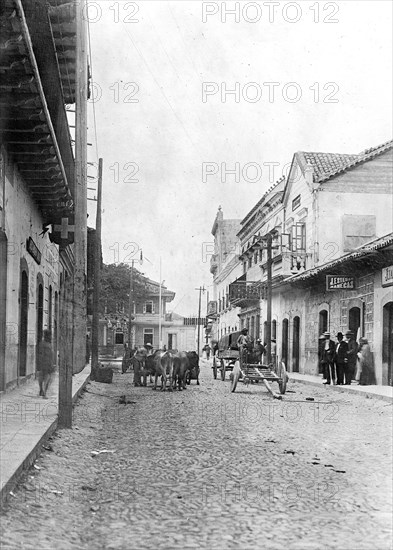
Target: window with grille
x,y
298,240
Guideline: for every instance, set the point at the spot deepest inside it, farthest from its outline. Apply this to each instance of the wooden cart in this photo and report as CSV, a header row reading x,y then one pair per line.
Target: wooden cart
x,y
246,372
226,356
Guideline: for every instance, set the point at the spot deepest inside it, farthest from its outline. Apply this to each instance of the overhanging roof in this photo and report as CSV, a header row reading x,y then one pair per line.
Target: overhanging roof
x,y
26,126
374,255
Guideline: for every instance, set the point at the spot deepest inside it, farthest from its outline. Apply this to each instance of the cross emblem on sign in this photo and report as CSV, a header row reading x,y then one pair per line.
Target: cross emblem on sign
x,y
64,228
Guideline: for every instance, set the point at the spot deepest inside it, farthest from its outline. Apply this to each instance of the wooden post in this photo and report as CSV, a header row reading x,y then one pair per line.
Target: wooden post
x,y
65,355
80,195
131,296
75,297
201,289
97,275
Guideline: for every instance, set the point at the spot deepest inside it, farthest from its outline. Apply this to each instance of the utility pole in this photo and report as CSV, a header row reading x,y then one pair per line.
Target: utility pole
x,y
79,301
269,240
160,312
131,296
97,275
201,289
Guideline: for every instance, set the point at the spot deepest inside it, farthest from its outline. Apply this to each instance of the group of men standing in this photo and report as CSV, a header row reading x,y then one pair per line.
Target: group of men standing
x,y
338,359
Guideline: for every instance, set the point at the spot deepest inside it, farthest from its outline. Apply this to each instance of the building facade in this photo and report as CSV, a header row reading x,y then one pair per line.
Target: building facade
x,y
225,268
331,222
36,184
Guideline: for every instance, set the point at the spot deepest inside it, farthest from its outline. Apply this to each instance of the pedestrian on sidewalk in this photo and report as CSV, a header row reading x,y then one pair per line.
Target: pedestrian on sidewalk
x,y
352,357
45,363
126,361
366,375
138,362
340,358
328,354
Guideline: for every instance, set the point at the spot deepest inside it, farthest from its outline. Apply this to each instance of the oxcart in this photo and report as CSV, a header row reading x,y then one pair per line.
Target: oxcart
x,y
246,370
226,356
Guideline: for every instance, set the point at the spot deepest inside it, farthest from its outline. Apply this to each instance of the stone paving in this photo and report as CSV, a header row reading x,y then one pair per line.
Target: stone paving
x,y
208,469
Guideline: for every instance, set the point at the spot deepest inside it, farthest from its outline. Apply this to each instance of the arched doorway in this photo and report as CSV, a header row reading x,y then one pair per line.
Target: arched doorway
x,y
40,314
323,321
55,325
284,342
274,329
3,305
24,313
354,320
387,344
296,344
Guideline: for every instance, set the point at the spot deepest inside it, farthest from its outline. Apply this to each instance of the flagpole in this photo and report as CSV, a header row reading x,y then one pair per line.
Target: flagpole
x,y
160,312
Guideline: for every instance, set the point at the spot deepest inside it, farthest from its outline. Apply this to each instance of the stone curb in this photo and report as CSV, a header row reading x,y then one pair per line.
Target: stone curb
x,y
35,451
343,389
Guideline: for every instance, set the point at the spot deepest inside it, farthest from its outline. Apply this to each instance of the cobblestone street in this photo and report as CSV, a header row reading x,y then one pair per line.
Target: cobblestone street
x,y
208,469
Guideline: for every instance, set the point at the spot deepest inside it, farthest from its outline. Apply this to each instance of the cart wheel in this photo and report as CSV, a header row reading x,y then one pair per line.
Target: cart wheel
x,y
222,369
282,373
214,369
235,375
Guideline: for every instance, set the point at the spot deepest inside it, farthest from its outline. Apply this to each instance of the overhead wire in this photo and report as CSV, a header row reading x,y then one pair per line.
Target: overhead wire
x,y
92,80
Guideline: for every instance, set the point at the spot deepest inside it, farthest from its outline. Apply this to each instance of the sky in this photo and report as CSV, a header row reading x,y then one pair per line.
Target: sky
x,y
196,107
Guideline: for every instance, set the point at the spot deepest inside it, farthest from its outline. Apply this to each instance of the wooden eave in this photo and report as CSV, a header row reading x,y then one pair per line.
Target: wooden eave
x,y
26,128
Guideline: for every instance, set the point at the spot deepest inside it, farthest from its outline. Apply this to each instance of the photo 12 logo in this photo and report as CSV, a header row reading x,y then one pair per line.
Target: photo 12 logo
x,y
121,12
271,12
270,92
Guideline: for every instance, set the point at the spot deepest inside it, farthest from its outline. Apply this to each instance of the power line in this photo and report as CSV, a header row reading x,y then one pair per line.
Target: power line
x,y
92,80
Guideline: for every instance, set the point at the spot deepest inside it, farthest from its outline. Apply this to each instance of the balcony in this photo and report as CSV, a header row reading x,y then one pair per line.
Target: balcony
x,y
245,294
214,264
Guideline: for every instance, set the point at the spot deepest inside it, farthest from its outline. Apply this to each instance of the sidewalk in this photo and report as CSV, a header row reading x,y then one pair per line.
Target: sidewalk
x,y
27,421
378,392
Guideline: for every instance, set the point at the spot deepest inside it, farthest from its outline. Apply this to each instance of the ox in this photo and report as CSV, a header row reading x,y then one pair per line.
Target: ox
x,y
194,370
186,366
160,363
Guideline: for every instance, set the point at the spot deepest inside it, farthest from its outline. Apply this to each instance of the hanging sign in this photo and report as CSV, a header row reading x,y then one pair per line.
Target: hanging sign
x,y
339,282
33,250
387,276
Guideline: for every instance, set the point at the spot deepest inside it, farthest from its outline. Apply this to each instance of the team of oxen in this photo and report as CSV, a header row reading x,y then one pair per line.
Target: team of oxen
x,y
175,368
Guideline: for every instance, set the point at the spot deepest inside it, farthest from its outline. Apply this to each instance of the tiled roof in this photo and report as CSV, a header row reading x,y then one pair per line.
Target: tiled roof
x,y
327,165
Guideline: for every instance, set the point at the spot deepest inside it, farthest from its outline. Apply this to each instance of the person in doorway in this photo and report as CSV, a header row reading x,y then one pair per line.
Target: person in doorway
x,y
321,368
260,350
328,354
366,364
45,363
273,351
88,349
351,356
340,358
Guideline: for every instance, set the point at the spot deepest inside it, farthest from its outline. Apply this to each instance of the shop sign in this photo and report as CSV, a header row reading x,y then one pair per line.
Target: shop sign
x,y
33,250
211,308
387,276
338,282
